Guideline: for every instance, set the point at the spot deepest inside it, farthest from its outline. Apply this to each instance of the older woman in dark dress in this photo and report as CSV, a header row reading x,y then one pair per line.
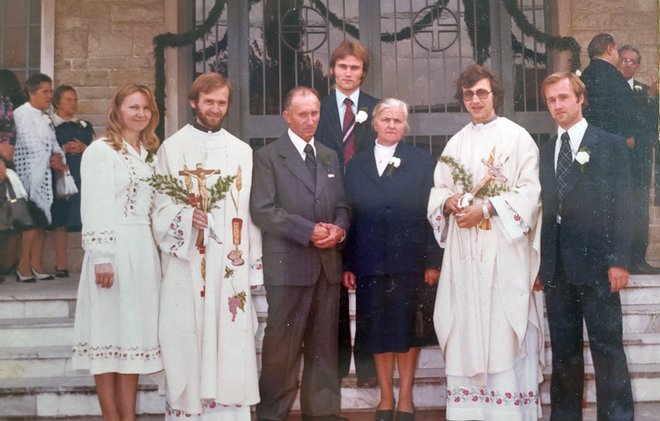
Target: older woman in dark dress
x,y
73,135
392,258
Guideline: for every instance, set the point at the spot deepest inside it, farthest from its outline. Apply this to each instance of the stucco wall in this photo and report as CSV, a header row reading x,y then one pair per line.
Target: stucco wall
x,y
102,44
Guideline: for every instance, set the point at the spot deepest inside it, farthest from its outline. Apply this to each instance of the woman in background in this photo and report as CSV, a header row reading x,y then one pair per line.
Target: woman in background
x,y
116,324
37,152
73,135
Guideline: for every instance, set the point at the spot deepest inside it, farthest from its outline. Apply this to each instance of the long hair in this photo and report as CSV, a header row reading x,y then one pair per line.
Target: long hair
x,y
115,129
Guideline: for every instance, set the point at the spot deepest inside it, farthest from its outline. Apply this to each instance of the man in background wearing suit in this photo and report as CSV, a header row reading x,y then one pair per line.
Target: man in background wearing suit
x,y
641,156
298,201
609,103
345,126
585,249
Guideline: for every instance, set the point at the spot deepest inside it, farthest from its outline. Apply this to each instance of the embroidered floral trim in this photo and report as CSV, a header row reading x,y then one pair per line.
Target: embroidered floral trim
x,y
461,395
131,191
92,238
438,224
176,233
257,265
211,405
517,219
112,352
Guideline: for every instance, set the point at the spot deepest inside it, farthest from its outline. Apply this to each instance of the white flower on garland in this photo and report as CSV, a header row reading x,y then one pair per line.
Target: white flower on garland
x,y
361,117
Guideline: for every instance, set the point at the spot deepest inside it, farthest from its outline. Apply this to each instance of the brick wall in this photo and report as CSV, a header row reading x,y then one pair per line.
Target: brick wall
x,y
102,44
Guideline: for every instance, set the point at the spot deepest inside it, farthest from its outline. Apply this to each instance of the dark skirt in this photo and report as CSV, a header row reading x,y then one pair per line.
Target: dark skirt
x,y
394,313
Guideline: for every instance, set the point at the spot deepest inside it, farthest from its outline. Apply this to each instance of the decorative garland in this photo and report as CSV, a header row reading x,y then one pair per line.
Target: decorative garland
x,y
178,40
479,17
555,43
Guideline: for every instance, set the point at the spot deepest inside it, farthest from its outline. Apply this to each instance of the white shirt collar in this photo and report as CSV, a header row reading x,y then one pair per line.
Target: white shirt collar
x,y
340,97
300,144
576,133
631,83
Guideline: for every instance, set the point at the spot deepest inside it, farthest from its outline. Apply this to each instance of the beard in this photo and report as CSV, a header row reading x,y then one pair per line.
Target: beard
x,y
208,122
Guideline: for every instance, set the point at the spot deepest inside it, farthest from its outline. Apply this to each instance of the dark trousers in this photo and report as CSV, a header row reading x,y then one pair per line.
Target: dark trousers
x,y
640,174
364,362
567,306
302,321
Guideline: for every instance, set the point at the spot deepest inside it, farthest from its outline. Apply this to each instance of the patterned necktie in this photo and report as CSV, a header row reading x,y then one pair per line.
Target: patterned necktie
x,y
349,136
564,162
310,161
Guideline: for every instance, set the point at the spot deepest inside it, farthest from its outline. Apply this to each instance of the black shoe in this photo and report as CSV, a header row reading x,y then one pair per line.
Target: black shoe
x,y
384,415
404,416
61,273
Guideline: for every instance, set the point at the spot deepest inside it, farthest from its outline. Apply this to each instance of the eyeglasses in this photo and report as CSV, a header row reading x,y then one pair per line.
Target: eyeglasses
x,y
628,61
481,94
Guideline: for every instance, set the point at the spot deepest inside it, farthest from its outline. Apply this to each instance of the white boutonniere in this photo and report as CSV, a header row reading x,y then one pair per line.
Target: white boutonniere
x,y
361,117
637,88
82,123
578,73
582,158
395,162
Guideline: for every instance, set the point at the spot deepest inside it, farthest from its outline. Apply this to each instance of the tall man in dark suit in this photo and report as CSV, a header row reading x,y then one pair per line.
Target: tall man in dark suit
x,y
345,126
641,156
298,201
609,103
585,249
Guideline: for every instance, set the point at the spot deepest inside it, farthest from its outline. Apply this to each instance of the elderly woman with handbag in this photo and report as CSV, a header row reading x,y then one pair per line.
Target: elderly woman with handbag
x,y
73,135
392,258
37,152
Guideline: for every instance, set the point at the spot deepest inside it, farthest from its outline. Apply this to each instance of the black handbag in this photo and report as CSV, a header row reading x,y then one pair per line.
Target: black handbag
x,y
14,214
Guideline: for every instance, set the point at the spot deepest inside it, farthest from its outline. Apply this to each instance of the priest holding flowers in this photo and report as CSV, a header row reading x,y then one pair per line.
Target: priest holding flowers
x,y
211,257
485,207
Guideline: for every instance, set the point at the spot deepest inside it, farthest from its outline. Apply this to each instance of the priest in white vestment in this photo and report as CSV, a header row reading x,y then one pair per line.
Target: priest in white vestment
x,y
207,320
487,318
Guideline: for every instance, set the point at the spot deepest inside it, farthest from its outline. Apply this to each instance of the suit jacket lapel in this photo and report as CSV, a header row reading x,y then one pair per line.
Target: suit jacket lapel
x,y
368,165
293,161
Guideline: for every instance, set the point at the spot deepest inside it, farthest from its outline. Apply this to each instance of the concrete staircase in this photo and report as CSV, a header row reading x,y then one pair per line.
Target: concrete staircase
x,y
36,378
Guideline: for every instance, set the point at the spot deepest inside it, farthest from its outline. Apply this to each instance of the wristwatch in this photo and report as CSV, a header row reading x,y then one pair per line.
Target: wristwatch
x,y
484,208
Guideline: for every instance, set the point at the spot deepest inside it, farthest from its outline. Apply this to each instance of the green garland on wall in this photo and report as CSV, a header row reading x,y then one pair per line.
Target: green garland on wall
x,y
178,40
556,43
169,39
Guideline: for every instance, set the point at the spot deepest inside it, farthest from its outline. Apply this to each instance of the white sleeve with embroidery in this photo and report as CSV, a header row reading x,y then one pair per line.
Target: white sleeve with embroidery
x,y
98,201
443,188
172,222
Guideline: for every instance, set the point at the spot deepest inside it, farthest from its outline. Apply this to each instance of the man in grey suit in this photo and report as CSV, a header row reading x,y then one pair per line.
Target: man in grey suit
x,y
298,202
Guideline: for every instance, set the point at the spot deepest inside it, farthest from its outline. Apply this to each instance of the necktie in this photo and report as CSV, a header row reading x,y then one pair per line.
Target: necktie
x,y
349,136
564,162
310,161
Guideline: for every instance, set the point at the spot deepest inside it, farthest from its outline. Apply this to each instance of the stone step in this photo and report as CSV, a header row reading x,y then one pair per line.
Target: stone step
x,y
75,396
57,298
55,361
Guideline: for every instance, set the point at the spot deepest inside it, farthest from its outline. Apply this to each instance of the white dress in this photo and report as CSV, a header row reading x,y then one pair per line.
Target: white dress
x,y
116,329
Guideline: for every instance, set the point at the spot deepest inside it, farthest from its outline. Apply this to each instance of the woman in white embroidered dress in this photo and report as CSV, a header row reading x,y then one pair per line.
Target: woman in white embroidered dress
x,y
37,151
115,334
